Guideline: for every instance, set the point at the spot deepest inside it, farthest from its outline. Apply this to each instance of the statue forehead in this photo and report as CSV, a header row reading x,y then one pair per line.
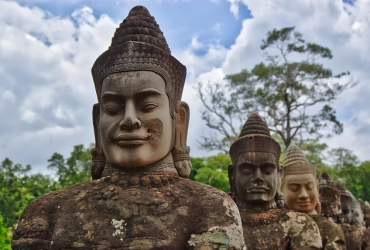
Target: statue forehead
x,y
256,157
300,178
134,80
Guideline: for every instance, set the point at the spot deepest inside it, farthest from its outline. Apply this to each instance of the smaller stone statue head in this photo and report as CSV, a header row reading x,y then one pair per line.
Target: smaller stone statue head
x,y
299,184
366,210
357,214
346,204
329,198
254,173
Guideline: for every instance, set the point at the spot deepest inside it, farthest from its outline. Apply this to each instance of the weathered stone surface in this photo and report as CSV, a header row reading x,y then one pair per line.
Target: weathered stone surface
x,y
279,229
331,233
353,236
106,214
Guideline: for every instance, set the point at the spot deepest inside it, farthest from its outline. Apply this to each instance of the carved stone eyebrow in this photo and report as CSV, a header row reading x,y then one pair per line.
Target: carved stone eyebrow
x,y
148,90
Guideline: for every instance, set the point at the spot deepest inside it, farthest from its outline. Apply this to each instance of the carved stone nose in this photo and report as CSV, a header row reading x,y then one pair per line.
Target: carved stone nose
x,y
130,124
258,180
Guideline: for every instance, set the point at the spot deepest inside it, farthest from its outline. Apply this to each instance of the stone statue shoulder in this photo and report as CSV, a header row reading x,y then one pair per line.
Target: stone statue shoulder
x,y
279,229
304,230
331,233
138,212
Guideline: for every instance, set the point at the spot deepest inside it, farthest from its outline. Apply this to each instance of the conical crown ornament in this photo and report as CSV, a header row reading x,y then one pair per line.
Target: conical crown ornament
x,y
327,187
254,137
139,44
295,162
344,195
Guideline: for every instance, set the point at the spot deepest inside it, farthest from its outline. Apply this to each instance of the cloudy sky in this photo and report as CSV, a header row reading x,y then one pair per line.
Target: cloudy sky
x,y
47,49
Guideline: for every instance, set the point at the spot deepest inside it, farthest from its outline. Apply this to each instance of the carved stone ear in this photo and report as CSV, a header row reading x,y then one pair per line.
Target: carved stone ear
x,y
98,157
231,174
181,151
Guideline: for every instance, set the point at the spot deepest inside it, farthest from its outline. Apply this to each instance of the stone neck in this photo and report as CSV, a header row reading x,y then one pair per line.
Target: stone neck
x,y
245,206
165,165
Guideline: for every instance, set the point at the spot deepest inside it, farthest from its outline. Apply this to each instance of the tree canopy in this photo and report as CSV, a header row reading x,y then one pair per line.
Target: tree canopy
x,y
291,90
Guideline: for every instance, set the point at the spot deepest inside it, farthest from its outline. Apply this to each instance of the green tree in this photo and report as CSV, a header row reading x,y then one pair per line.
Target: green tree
x,y
282,89
14,197
213,171
74,169
5,238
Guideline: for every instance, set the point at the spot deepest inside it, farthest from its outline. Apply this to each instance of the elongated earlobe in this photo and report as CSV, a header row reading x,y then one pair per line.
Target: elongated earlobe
x,y
181,151
97,153
231,174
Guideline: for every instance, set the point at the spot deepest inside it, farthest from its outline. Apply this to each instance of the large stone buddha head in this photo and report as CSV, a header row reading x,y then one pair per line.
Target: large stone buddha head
x,y
299,184
254,172
329,198
140,122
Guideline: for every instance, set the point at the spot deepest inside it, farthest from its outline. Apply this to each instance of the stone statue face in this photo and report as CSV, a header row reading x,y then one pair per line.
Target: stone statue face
x,y
135,122
357,217
301,192
346,212
256,177
330,206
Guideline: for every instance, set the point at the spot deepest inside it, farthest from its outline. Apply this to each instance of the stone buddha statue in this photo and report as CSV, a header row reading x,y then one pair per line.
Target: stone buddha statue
x,y
366,210
254,181
329,198
358,221
301,193
139,198
352,233
357,214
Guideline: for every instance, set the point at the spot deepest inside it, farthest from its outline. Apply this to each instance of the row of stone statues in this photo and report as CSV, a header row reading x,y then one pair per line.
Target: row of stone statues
x,y
140,197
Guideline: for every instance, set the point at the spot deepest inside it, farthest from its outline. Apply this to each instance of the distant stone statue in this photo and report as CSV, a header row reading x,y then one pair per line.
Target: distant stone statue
x,y
329,198
254,181
301,193
138,200
352,233
358,221
366,210
330,207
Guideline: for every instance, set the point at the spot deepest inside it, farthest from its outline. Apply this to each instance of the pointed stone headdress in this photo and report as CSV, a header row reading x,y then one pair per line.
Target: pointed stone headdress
x,y
327,187
345,196
295,162
254,137
139,44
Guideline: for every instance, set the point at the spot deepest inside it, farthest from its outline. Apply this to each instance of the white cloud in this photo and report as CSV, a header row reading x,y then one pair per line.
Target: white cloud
x,y
47,92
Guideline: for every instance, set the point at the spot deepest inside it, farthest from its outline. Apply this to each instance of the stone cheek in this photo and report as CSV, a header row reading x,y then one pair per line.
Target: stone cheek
x,y
104,215
279,229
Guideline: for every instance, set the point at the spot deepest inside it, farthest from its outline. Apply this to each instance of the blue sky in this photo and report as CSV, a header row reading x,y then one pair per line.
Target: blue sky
x,y
47,49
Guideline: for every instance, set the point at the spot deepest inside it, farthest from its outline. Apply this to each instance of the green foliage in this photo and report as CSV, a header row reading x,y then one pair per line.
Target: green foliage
x,y
282,89
74,169
5,238
212,171
15,190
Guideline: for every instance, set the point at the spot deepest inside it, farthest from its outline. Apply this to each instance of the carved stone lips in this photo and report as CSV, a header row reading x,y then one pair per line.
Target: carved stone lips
x,y
257,189
131,139
303,203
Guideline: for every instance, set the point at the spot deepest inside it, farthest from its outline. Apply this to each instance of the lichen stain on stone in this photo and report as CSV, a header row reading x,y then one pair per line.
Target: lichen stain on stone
x,y
232,210
222,238
119,225
183,210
